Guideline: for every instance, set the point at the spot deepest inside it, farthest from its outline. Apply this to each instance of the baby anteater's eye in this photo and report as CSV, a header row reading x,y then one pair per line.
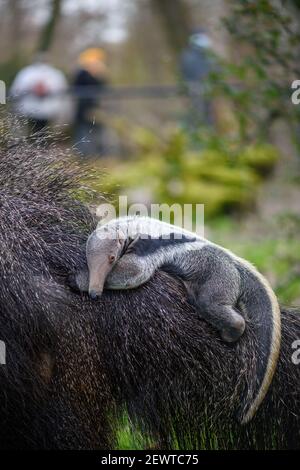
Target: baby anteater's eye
x,y
111,258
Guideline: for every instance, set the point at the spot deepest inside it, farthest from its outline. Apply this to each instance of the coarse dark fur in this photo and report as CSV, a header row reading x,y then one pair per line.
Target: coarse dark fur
x,y
72,363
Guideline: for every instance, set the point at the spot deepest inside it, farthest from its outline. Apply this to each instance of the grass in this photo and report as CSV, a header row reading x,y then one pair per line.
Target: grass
x,y
129,437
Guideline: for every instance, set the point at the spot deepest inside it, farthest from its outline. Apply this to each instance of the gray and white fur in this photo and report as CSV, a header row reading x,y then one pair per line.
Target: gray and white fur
x,y
224,289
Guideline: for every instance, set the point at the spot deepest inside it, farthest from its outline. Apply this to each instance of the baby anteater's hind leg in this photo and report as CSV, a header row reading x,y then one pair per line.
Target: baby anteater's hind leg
x,y
228,321
219,311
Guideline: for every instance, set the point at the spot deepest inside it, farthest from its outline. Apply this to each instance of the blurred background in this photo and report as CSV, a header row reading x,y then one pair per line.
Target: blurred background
x,y
182,101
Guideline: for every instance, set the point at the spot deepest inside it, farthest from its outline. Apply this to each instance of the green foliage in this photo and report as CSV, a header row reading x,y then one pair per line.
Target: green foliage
x,y
9,68
129,437
280,260
258,83
261,158
221,175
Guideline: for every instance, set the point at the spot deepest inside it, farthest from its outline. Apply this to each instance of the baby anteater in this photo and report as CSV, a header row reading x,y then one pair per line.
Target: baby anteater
x,y
224,289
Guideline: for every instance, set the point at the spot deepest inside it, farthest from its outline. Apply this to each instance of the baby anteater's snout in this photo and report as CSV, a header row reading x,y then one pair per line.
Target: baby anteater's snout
x,y
94,295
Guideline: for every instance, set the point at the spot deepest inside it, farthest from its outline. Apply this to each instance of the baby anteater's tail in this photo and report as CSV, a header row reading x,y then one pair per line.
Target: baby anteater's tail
x,y
262,309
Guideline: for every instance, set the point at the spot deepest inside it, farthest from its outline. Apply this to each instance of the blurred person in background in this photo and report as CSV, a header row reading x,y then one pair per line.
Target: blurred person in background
x,y
89,82
38,93
196,63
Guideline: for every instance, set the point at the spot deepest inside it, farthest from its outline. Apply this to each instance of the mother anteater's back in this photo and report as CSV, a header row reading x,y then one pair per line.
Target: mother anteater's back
x,y
72,364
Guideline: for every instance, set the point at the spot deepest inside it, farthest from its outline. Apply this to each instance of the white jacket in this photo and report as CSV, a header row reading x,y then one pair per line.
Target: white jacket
x,y
47,105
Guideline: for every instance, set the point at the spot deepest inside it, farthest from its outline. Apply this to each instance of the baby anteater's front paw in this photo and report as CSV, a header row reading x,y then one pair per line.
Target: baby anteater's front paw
x,y
234,331
72,282
79,281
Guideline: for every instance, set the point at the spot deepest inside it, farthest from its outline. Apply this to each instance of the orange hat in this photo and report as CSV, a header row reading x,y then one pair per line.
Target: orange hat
x,y
91,55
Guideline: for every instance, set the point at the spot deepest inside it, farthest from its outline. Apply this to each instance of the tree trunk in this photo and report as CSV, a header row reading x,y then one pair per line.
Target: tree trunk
x,y
48,31
15,11
175,18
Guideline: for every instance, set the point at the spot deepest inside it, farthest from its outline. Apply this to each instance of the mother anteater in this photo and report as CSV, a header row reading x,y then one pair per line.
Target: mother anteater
x,y
72,365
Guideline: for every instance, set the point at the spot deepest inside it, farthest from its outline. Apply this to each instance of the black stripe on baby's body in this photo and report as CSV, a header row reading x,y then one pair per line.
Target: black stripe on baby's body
x,y
146,245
